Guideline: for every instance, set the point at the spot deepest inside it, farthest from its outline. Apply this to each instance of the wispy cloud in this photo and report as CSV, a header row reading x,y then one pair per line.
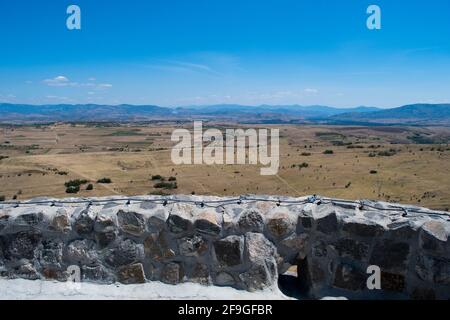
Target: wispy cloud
x,y
59,81
311,90
54,98
177,66
63,81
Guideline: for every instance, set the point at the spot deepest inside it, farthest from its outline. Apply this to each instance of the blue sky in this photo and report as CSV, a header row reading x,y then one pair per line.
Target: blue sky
x,y
191,52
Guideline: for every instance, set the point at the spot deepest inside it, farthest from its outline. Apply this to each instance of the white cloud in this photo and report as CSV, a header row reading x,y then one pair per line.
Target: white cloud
x,y
311,90
104,85
58,99
63,81
59,81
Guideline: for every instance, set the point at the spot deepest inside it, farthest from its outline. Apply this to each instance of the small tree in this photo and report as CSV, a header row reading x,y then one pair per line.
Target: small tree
x,y
73,189
104,180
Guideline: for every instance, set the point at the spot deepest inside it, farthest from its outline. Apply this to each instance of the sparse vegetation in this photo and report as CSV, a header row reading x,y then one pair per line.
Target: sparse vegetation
x,y
301,165
73,189
328,152
75,183
104,180
325,175
166,185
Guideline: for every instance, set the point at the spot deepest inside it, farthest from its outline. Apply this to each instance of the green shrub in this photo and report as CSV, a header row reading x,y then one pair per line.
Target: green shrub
x,y
328,152
104,180
73,189
159,193
166,185
90,186
172,179
373,171
75,183
157,177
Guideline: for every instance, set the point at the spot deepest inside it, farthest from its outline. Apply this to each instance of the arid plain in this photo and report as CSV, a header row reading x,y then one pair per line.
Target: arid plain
x,y
410,165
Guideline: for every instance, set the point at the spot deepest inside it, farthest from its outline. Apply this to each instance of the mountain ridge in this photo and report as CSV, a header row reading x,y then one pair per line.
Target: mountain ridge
x,y
419,113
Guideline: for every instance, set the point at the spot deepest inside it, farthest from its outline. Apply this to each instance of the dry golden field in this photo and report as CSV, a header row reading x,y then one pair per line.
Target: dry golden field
x,y
401,164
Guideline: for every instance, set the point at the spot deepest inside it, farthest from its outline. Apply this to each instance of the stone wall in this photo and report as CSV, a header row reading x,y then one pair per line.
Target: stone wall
x,y
245,244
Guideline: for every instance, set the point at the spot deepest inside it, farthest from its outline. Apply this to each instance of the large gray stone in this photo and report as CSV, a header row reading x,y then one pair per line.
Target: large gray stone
x,y
229,251
158,220
319,248
179,222
261,255
97,274
351,248
251,221
350,278
224,279
105,230
305,221
84,223
131,274
442,272
390,255
433,236
192,246
363,228
29,219
131,222
401,230
24,244
208,223
51,254
124,253
61,222
327,222
27,271
297,244
172,273
157,248
280,225
200,274
81,252
258,248
392,282
260,276
4,219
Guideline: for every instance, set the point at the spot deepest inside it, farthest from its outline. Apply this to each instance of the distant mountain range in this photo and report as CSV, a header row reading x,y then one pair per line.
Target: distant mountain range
x,y
417,114
411,114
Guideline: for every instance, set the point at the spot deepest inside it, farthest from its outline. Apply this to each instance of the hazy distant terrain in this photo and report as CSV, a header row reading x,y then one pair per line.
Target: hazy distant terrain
x,y
418,114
